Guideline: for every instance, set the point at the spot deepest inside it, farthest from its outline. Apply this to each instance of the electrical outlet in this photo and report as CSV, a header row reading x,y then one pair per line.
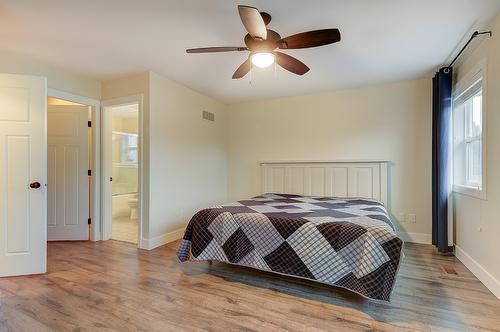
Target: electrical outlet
x,y
412,218
402,217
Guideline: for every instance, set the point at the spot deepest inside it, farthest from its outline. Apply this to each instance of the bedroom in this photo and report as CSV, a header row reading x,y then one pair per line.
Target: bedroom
x,y
358,123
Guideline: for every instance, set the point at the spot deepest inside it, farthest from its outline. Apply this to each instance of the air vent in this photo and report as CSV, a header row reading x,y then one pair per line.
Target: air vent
x,y
208,116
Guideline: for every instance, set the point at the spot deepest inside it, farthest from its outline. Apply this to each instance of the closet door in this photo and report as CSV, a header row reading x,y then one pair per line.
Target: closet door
x,y
68,185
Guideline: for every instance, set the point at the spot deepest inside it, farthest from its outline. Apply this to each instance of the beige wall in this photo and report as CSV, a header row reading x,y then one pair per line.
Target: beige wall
x,y
57,78
125,125
187,154
184,155
471,214
390,122
126,86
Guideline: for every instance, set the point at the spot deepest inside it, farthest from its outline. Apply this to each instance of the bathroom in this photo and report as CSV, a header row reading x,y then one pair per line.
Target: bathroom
x,y
125,161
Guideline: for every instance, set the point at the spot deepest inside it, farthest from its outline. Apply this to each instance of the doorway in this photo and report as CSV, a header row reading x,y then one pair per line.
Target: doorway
x,y
121,169
89,174
125,176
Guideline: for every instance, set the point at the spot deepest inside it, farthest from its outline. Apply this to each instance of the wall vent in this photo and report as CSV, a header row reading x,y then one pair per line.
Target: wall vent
x,y
208,116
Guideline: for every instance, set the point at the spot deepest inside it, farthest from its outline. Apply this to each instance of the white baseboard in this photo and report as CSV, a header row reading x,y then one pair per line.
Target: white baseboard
x,y
158,241
415,237
480,272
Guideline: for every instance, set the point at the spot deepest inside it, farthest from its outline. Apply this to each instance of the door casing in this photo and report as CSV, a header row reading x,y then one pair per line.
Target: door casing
x,y
107,164
95,156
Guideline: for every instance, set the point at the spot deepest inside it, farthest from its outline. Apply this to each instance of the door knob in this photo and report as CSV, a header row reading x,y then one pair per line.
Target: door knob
x,y
35,185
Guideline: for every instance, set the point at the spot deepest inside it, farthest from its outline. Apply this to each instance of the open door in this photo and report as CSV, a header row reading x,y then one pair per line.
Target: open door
x,y
23,175
68,185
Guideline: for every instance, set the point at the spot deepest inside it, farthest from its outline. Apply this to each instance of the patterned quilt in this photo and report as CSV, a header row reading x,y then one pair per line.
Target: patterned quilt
x,y
344,242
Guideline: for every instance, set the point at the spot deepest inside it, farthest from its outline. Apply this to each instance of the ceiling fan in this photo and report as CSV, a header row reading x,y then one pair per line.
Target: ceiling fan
x,y
263,42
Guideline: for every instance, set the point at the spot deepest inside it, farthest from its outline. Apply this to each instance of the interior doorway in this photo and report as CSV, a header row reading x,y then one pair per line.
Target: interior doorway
x,y
121,170
125,164
69,156
89,128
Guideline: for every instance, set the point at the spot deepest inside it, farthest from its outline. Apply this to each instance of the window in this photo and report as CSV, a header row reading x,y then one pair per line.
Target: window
x,y
473,110
127,149
468,136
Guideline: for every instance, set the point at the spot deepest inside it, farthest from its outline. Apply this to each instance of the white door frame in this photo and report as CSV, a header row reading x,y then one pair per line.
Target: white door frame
x,y
107,164
96,225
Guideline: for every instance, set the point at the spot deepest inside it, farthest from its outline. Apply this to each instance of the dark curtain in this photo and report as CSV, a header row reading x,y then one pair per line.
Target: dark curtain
x,y
441,129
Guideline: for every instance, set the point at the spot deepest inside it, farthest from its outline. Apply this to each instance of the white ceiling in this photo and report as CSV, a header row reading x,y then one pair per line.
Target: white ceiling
x,y
382,41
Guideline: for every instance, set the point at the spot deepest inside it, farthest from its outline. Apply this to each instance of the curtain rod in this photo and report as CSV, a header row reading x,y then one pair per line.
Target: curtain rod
x,y
474,35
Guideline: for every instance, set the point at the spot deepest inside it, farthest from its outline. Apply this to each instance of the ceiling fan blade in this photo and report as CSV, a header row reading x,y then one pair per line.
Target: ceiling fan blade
x,y
243,69
290,63
253,21
215,49
310,39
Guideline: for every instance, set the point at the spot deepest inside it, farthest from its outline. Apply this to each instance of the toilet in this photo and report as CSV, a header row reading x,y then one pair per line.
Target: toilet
x,y
133,204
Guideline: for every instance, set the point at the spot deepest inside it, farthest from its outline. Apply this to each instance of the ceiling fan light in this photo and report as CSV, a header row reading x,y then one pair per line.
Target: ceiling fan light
x,y
262,59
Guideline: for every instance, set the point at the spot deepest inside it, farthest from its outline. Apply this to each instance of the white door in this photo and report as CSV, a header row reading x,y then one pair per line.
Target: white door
x,y
23,175
68,185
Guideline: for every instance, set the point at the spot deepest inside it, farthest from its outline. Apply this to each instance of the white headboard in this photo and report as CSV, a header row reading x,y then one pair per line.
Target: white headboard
x,y
327,178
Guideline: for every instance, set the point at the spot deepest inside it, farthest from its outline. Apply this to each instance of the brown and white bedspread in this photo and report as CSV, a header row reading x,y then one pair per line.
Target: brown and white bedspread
x,y
345,242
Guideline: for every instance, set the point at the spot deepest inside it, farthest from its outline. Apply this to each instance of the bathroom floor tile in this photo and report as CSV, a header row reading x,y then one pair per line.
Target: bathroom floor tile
x,y
124,229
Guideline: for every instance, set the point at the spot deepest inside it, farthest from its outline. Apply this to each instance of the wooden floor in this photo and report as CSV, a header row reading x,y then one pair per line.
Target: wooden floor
x,y
113,286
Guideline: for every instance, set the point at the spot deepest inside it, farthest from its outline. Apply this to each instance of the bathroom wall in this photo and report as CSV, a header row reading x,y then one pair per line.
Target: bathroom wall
x,y
125,177
120,205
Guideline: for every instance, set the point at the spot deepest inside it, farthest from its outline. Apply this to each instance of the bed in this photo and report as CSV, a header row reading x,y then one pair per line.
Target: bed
x,y
344,242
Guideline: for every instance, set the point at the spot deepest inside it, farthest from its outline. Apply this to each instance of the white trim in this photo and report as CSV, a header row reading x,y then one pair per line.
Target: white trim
x,y
469,191
415,237
475,74
480,272
106,165
95,226
163,239
59,94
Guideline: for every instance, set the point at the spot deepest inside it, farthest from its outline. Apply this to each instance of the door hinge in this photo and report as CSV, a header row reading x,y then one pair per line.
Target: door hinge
x,y
89,221
89,124
89,172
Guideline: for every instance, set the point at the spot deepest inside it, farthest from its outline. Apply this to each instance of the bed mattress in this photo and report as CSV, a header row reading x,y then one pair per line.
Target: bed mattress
x,y
344,242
